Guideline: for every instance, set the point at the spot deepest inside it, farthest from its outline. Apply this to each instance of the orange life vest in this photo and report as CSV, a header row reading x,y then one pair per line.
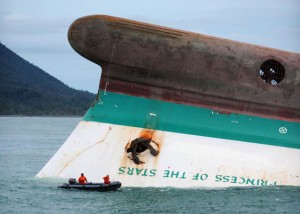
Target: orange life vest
x,y
82,179
106,180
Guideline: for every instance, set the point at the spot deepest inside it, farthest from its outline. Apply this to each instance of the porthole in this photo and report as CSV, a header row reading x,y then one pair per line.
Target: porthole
x,y
272,72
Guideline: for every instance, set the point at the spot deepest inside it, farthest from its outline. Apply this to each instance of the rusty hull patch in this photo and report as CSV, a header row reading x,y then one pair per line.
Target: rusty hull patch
x,y
204,71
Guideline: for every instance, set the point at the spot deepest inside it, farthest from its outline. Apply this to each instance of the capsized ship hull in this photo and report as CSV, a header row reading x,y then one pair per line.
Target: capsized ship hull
x,y
183,110
184,160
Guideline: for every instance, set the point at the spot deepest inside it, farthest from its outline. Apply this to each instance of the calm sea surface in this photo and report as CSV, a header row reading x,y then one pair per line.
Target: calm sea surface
x,y
27,143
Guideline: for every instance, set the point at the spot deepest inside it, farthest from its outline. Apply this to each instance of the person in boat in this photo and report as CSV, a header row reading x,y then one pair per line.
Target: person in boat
x,y
82,179
106,179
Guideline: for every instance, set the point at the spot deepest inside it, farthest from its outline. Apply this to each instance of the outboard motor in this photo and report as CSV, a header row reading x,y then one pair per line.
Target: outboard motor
x,y
72,180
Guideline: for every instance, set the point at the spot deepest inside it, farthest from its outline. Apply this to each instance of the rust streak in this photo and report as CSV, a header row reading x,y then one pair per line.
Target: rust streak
x,y
82,151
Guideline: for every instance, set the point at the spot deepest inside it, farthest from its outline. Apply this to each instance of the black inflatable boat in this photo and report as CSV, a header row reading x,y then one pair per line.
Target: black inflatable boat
x,y
114,185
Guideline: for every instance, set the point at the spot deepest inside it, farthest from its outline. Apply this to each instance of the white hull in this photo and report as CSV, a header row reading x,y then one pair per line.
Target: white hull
x,y
184,160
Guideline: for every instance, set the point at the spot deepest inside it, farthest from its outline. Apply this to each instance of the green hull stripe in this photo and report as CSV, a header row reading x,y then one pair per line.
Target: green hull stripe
x,y
140,112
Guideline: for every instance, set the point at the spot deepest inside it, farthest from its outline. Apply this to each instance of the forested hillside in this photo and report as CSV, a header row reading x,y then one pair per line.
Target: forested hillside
x,y
25,89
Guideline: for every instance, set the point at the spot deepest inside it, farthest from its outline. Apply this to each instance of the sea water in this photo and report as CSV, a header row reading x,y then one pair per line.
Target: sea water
x,y
27,143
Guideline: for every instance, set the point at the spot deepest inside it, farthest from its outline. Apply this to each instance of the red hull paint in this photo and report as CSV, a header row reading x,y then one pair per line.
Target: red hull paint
x,y
166,64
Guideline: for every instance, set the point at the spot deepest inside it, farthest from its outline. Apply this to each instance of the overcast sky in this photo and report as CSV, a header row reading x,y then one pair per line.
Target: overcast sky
x,y
37,30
